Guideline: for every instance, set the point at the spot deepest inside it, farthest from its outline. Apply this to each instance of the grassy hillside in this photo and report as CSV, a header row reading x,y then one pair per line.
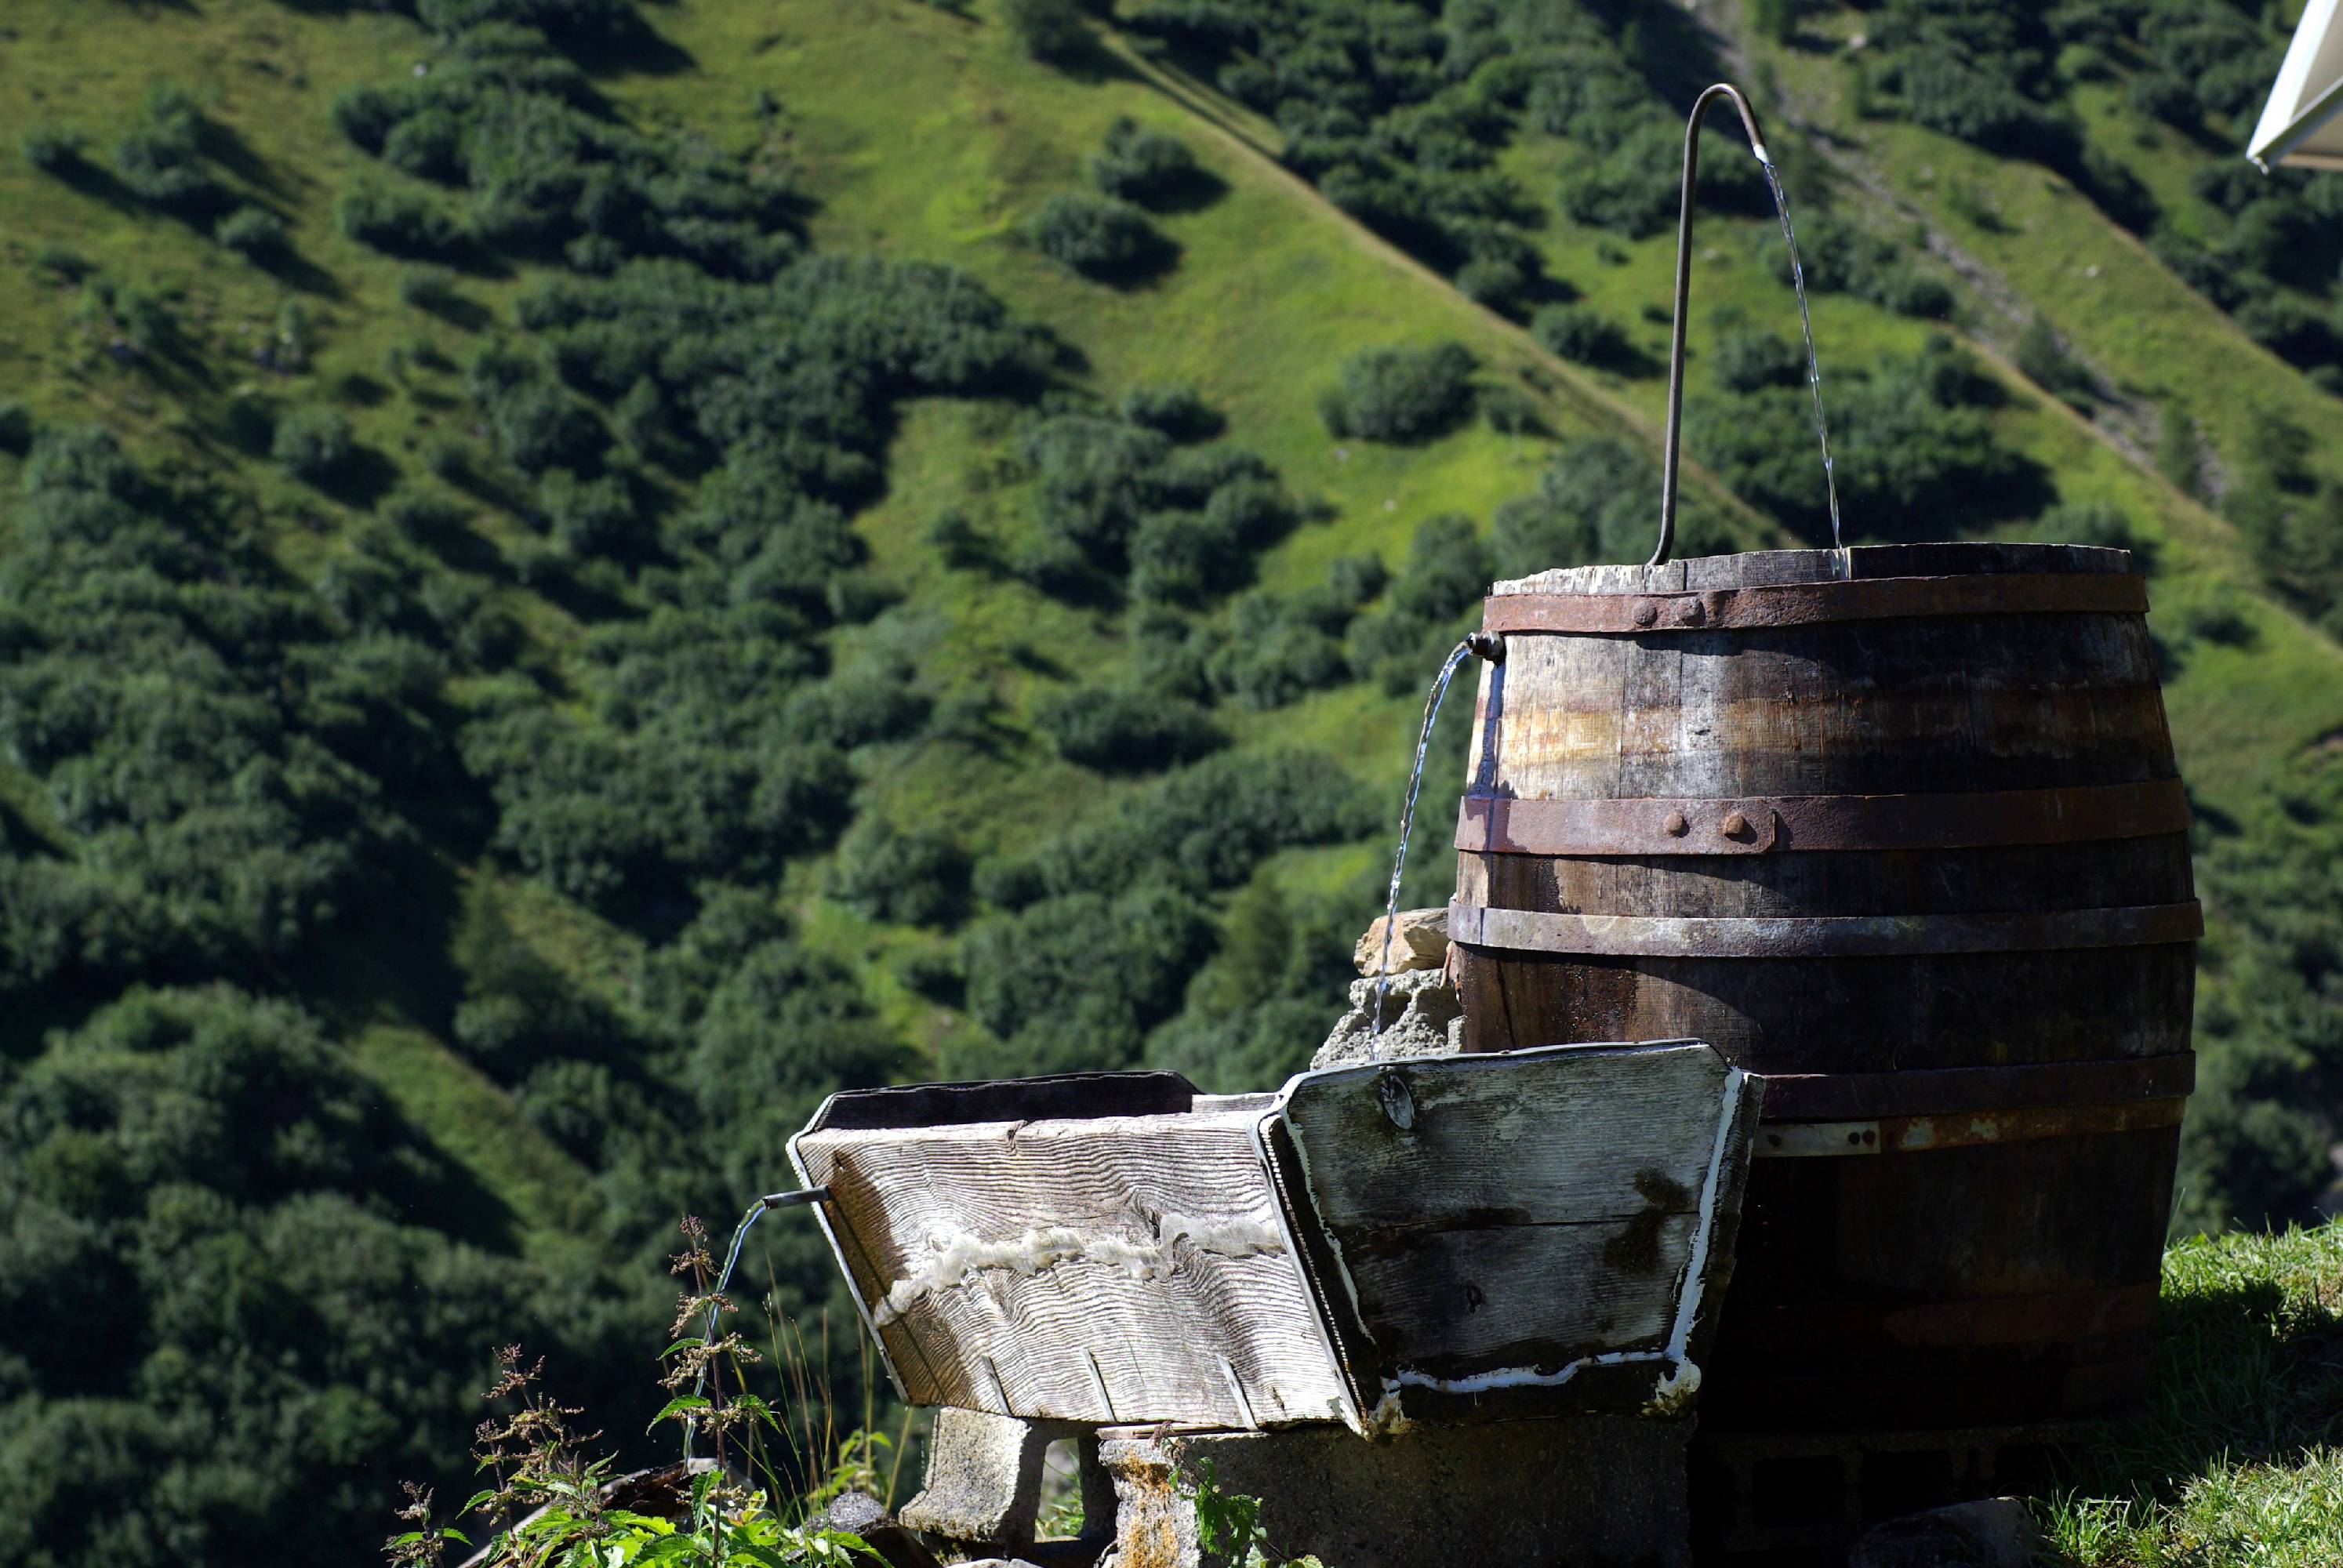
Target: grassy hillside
x,y
629,587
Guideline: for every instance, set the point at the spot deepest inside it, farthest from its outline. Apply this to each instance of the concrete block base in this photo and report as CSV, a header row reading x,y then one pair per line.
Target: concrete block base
x,y
1588,1492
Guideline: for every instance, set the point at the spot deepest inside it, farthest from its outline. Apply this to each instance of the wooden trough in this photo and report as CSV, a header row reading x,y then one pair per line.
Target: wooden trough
x,y
1449,1238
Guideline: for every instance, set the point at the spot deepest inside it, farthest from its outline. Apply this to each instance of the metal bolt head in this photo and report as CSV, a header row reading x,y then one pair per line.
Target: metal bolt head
x,y
1674,825
1735,824
1692,613
1647,613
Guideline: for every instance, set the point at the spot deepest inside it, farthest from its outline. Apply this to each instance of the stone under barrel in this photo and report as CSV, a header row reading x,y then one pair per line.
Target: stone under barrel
x,y
1900,829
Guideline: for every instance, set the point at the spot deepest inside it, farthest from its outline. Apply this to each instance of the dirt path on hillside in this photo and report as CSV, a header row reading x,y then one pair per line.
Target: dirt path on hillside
x,y
1199,101
2127,425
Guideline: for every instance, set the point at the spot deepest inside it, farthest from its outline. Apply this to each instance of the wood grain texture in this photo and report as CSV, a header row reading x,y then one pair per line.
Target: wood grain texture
x,y
1112,1269
1502,1219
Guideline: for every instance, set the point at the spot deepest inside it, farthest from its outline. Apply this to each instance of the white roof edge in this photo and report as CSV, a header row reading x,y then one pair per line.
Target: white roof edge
x,y
2299,103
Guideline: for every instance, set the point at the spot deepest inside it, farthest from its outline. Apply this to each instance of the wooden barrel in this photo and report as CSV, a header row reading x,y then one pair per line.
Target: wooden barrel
x,y
1898,828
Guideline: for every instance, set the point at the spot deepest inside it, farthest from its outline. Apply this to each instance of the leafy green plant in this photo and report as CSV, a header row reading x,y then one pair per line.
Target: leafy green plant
x,y
551,1503
1099,237
251,231
1228,1524
1400,395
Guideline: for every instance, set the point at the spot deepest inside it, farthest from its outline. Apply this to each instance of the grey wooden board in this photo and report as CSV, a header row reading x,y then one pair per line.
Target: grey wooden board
x,y
1110,1268
1538,1209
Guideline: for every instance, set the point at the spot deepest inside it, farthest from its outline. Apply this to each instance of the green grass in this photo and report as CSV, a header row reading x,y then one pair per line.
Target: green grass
x,y
2238,1460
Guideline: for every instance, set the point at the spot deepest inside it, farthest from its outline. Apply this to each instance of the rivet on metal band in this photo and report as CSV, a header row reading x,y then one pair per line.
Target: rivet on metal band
x,y
1754,825
1821,936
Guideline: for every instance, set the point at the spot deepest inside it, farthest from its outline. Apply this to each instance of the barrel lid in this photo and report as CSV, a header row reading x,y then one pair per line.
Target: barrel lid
x,y
1757,568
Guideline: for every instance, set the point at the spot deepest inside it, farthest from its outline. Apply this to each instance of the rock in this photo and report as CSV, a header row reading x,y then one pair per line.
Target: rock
x,y
1996,1533
1594,1492
1419,942
984,1479
859,1514
1421,1016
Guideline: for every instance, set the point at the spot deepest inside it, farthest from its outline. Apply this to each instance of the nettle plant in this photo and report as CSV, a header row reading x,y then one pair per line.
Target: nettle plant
x,y
550,1503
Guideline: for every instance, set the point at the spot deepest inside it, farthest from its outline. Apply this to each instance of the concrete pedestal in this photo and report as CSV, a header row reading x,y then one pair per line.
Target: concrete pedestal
x,y
1590,1491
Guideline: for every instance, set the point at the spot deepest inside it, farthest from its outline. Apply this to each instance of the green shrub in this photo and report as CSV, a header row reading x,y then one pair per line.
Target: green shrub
x,y
2046,361
1047,29
1774,19
1098,236
161,158
1143,164
914,877
2095,523
50,147
1746,361
311,443
251,231
431,288
589,516
396,222
1177,409
421,513
1126,730
1581,334
15,427
1400,395
1501,285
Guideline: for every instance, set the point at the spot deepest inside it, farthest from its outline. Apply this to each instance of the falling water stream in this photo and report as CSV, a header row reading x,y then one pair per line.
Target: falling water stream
x,y
1462,651
1814,368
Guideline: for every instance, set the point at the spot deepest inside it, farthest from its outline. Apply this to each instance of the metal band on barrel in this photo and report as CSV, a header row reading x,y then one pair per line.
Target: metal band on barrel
x,y
1816,604
1754,825
1821,936
1950,1091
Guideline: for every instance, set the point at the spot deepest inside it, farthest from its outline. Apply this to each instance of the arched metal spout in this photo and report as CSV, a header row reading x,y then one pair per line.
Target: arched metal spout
x,y
1683,293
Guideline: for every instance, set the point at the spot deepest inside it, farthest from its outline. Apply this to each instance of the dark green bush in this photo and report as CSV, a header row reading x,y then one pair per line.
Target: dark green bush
x,y
1581,334
397,223
1080,979
15,427
251,231
1746,361
312,443
917,877
1400,395
1177,409
431,288
1047,29
161,160
2048,363
590,517
1126,730
2095,523
1098,236
50,147
1141,163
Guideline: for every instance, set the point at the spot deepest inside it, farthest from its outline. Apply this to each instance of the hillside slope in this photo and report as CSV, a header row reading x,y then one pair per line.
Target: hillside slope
x,y
628,588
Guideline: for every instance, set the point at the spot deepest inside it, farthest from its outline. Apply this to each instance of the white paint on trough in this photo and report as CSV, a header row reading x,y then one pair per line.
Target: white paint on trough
x,y
959,1260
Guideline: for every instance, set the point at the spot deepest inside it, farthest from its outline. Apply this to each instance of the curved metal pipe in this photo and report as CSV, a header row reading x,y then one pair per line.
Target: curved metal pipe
x,y
1683,292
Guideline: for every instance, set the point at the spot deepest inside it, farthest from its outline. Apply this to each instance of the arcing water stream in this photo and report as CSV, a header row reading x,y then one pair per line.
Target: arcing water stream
x,y
1806,325
1457,655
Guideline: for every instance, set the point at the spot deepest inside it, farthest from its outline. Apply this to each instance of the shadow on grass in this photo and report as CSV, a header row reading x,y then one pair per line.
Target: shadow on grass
x,y
2239,1373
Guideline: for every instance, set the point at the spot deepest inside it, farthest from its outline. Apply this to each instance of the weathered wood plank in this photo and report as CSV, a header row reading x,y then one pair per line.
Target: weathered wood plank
x,y
1453,1302
1110,1268
1507,1140
1505,1221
